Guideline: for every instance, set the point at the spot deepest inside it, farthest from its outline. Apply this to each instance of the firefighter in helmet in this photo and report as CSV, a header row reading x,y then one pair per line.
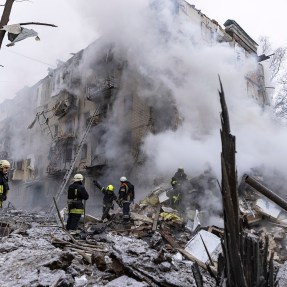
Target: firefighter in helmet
x,y
179,184
126,197
76,194
4,186
180,176
109,197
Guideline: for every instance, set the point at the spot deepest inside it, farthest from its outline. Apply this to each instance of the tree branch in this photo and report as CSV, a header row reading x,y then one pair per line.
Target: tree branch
x,y
37,23
5,18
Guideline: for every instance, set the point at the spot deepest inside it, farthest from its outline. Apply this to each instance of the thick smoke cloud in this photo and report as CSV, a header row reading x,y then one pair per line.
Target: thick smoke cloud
x,y
168,52
167,58
169,63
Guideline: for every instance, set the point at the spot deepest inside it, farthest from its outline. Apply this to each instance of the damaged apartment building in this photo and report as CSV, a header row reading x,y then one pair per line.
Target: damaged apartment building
x,y
65,121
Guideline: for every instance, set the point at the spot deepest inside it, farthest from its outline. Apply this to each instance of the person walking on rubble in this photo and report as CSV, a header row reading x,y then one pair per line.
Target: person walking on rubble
x,y
178,183
76,194
109,197
4,186
126,197
180,176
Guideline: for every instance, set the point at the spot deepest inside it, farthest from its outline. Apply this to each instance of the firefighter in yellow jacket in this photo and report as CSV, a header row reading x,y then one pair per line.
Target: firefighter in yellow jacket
x,y
4,186
76,194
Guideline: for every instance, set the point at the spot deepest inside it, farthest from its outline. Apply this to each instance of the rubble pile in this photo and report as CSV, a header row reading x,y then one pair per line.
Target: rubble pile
x,y
264,217
39,253
160,246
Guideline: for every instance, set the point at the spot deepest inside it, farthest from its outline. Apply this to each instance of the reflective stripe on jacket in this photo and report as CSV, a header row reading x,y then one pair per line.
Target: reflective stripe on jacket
x,y
76,211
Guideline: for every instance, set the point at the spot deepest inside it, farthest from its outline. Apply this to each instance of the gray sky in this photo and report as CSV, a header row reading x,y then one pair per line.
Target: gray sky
x,y
27,62
257,18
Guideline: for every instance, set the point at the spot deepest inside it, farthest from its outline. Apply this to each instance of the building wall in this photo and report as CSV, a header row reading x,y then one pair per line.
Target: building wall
x,y
244,47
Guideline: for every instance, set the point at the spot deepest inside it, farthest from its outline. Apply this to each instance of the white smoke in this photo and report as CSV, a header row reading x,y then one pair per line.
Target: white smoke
x,y
168,51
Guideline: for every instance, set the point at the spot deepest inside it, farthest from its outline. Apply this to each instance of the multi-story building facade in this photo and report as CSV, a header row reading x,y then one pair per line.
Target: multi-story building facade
x,y
83,99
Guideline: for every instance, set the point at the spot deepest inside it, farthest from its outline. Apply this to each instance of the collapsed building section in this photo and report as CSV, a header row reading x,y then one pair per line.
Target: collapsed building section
x,y
102,87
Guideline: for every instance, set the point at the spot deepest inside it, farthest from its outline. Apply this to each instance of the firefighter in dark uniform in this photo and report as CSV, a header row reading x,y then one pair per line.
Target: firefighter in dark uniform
x,y
179,184
4,186
180,176
109,197
76,194
126,197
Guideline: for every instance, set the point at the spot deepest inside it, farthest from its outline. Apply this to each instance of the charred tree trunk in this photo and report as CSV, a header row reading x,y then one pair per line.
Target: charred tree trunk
x,y
245,259
234,267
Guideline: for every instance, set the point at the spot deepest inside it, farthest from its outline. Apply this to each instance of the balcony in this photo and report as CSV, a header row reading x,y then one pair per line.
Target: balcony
x,y
101,89
64,104
98,161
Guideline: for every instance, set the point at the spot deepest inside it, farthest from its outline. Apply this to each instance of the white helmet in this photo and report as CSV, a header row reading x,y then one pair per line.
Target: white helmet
x,y
123,179
78,177
4,163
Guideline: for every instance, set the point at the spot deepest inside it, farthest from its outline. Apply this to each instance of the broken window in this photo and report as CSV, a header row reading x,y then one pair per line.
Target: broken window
x,y
68,154
61,108
63,104
84,151
19,165
69,126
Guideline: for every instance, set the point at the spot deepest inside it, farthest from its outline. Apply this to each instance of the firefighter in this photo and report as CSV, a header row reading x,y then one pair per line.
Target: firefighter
x,y
109,197
4,187
180,176
126,197
179,184
76,194
175,194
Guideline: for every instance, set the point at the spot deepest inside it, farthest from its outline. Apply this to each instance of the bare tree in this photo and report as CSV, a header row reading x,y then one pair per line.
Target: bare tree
x,y
280,101
277,62
278,75
278,56
265,45
5,18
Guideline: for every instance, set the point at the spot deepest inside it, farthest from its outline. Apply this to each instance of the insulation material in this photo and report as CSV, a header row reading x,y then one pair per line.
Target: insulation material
x,y
163,197
196,248
267,207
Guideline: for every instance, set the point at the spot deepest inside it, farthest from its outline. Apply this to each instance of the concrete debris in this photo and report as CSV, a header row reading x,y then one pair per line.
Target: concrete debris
x,y
282,276
161,245
39,253
124,281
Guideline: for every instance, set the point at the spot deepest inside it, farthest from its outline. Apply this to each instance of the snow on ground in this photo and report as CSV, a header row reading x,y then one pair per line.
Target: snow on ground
x,y
28,258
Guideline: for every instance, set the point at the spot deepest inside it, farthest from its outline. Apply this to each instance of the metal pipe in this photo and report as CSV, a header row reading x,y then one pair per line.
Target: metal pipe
x,y
265,191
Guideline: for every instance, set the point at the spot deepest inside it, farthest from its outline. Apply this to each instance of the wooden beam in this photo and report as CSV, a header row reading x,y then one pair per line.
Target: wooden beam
x,y
154,226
